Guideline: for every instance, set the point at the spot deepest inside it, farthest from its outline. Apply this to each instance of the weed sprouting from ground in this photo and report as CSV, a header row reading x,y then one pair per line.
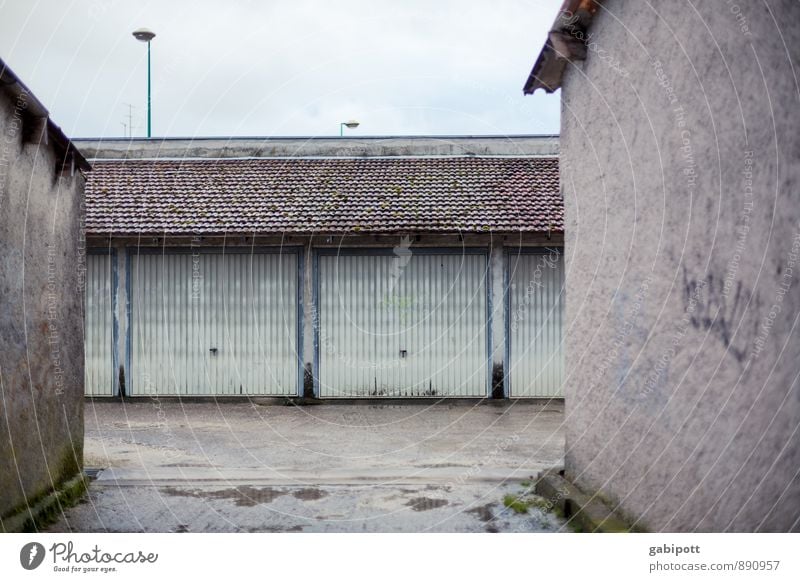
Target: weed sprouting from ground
x,y
524,501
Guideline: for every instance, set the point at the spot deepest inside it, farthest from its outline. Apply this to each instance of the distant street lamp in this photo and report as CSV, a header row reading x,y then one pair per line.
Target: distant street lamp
x,y
352,124
146,35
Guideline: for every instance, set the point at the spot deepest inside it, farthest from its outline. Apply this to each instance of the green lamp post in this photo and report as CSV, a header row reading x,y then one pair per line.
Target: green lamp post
x,y
145,35
352,124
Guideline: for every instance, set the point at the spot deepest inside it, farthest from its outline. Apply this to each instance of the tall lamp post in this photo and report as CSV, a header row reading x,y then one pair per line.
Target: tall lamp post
x,y
145,35
352,124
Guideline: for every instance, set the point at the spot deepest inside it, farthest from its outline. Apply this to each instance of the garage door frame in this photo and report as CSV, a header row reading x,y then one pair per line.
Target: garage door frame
x,y
112,253
510,252
390,251
296,250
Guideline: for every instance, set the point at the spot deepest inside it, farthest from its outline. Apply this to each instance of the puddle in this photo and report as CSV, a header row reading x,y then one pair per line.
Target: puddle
x,y
484,512
425,503
309,494
245,496
276,529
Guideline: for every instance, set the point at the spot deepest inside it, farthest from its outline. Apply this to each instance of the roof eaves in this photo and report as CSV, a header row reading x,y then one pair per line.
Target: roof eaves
x,y
566,42
42,128
216,160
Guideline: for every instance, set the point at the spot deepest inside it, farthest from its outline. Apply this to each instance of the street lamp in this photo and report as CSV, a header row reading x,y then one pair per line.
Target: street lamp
x,y
352,124
145,35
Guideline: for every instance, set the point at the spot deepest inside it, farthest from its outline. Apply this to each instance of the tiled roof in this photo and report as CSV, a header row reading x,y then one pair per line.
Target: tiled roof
x,y
324,195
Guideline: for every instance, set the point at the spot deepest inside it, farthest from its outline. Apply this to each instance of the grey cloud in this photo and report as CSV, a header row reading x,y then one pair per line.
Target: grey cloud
x,y
284,68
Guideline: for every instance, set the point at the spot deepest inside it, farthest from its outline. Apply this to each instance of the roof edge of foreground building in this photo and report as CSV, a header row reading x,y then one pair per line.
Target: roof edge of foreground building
x,y
37,127
566,43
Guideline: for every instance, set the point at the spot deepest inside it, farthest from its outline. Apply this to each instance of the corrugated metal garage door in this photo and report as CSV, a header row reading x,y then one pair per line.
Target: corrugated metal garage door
x,y
535,315
99,326
214,324
411,324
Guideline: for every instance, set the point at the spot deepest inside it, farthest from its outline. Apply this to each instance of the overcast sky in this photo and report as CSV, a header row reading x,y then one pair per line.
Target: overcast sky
x,y
299,67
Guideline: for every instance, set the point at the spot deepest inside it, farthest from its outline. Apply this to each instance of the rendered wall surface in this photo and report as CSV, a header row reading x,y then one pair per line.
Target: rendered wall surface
x,y
41,318
680,173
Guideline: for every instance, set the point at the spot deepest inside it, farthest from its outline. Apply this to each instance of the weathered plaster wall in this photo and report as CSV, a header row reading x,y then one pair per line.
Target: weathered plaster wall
x,y
41,318
680,172
260,147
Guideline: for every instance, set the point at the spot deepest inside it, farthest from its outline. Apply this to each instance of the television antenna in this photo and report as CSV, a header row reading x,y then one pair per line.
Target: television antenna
x,y
128,128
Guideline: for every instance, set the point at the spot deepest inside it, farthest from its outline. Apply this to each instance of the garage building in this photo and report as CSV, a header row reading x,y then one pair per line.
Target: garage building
x,y
335,268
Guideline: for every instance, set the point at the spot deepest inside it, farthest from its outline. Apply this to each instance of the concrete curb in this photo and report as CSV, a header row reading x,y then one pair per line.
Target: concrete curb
x,y
47,509
585,513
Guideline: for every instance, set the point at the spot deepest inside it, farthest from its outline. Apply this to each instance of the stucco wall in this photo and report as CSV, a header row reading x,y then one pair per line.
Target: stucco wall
x,y
680,174
41,320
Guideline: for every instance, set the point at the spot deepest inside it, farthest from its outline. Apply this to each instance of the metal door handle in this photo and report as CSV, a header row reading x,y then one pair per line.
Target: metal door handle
x,y
213,350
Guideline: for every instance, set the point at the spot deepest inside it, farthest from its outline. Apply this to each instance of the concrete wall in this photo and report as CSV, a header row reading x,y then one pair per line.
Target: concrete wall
x,y
259,147
41,319
679,168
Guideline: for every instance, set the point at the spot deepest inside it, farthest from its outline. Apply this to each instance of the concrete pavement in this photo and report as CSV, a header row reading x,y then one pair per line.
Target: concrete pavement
x,y
248,466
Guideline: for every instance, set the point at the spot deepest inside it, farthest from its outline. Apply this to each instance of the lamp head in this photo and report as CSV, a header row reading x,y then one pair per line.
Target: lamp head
x,y
144,34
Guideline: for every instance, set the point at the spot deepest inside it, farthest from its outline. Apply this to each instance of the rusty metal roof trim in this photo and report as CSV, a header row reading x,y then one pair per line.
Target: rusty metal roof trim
x,y
566,42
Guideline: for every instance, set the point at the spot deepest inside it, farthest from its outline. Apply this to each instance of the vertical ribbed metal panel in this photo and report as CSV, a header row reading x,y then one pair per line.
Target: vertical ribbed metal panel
x,y
535,320
214,324
402,326
99,326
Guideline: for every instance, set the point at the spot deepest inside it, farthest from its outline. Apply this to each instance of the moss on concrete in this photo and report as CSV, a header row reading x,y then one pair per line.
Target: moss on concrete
x,y
47,508
62,473
515,503
524,501
583,512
